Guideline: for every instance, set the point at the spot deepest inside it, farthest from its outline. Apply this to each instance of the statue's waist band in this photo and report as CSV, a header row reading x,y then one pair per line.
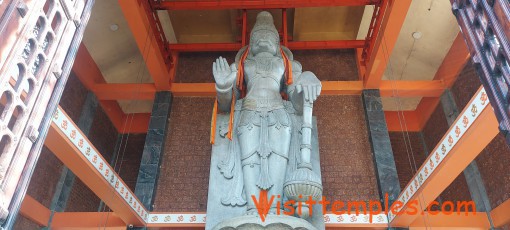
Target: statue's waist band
x,y
262,104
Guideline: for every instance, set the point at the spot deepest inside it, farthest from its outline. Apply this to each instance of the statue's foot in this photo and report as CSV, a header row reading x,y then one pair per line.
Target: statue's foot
x,y
252,212
275,211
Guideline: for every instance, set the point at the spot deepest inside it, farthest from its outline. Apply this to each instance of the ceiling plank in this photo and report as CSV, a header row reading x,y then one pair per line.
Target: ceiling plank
x,y
257,4
137,18
391,24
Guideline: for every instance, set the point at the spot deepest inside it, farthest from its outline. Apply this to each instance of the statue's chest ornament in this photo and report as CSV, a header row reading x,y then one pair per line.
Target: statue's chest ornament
x,y
264,67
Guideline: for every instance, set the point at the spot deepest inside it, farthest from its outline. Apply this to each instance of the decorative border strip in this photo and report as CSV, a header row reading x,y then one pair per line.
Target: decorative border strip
x,y
173,218
176,218
448,142
89,152
355,219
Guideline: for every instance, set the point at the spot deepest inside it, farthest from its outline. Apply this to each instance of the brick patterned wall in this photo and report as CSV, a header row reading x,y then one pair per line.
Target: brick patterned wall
x,y
103,134
196,67
73,97
347,165
23,223
184,174
465,86
329,65
495,158
409,154
433,131
128,162
46,176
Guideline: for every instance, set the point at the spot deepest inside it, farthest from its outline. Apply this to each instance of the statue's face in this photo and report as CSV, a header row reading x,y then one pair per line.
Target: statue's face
x,y
263,41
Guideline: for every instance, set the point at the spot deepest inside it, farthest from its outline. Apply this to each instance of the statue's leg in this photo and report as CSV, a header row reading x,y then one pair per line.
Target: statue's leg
x,y
280,143
277,168
251,172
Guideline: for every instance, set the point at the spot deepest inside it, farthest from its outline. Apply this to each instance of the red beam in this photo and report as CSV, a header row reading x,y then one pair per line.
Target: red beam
x,y
71,147
199,47
284,27
454,62
257,4
135,13
87,220
500,215
35,211
473,130
312,45
385,41
296,45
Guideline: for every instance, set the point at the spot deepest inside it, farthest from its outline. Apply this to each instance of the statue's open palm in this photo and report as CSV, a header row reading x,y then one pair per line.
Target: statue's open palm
x,y
224,75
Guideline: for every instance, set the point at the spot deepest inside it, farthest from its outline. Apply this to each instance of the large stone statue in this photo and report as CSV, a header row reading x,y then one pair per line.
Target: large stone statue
x,y
264,127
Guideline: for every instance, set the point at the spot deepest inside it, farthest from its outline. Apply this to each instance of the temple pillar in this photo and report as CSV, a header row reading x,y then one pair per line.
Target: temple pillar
x,y
153,149
384,163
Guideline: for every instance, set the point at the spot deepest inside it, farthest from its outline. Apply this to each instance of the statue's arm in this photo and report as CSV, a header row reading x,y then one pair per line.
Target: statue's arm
x,y
225,77
305,86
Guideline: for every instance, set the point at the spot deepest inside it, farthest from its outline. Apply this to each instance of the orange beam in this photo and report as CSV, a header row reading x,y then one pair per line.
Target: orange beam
x,y
193,89
341,87
441,220
385,42
412,88
359,63
136,16
125,123
257,4
35,211
87,220
91,77
86,68
454,62
460,145
425,109
501,214
130,91
87,163
399,121
295,45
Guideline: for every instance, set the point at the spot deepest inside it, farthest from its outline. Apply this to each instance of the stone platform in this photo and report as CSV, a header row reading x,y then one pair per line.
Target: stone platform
x,y
272,222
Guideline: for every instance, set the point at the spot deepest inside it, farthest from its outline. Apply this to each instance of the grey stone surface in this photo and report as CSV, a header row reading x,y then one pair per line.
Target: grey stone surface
x,y
218,185
153,148
271,147
274,222
386,171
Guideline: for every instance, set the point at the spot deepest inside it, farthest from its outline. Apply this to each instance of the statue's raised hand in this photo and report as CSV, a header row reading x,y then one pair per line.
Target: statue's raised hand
x,y
224,75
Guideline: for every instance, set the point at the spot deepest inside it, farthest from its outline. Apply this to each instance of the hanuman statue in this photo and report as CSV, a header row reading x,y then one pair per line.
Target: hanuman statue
x,y
259,90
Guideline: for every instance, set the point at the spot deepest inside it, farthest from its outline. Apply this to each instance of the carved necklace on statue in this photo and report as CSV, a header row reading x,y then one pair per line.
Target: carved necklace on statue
x,y
264,64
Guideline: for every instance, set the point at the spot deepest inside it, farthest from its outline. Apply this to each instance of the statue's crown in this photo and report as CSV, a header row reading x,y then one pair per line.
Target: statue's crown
x,y
265,22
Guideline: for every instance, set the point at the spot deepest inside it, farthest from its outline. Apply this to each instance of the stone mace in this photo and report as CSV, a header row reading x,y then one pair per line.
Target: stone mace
x,y
304,183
